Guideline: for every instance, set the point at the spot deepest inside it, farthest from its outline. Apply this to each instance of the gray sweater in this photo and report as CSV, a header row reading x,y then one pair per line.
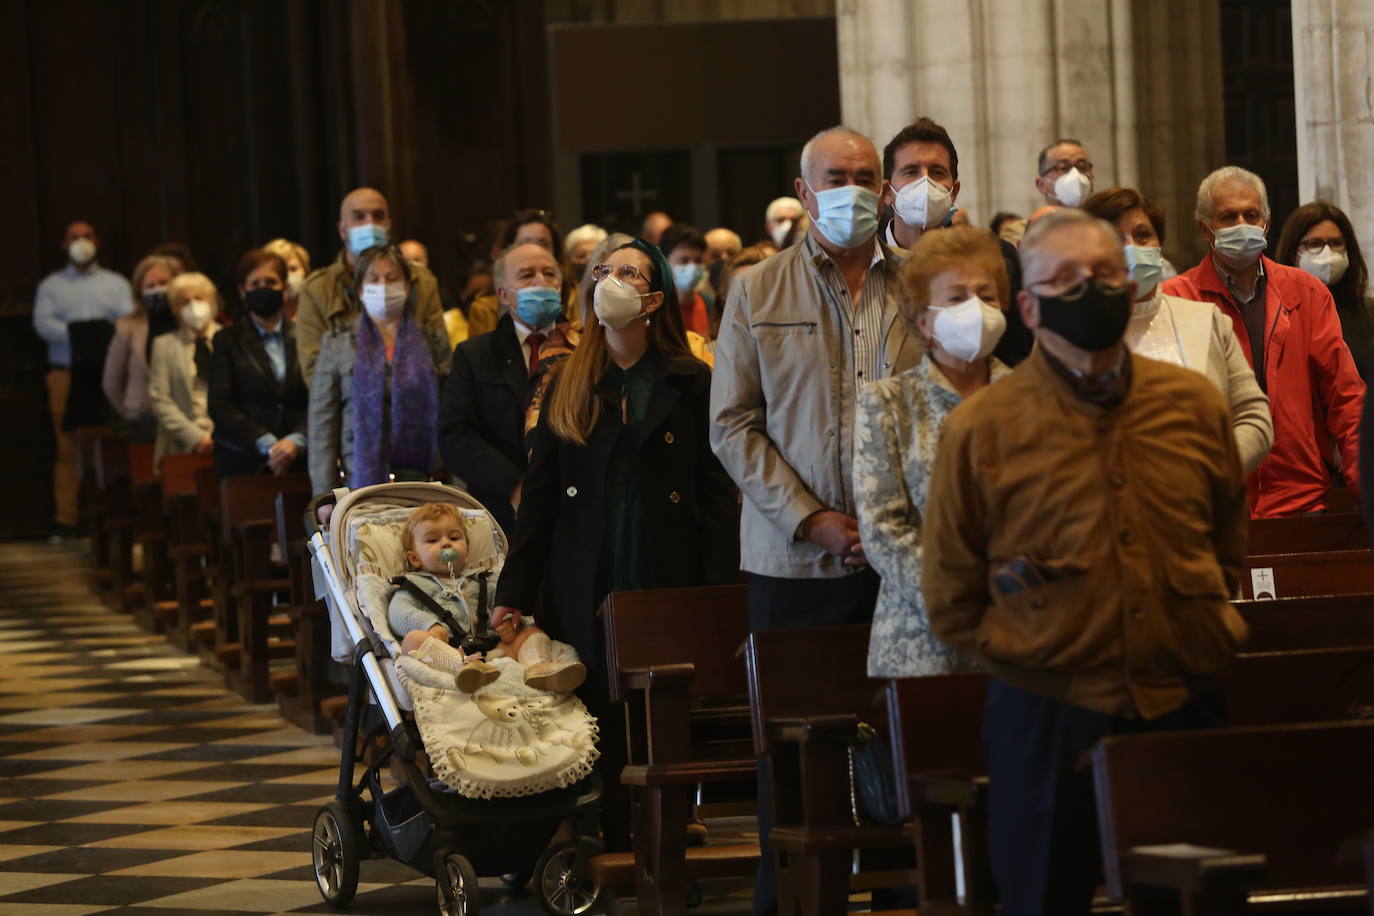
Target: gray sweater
x,y
406,613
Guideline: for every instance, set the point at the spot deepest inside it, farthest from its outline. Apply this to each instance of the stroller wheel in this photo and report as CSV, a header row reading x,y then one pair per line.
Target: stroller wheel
x,y
456,885
564,885
337,850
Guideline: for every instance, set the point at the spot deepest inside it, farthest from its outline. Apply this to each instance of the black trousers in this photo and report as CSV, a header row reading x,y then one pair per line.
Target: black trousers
x,y
780,604
1042,815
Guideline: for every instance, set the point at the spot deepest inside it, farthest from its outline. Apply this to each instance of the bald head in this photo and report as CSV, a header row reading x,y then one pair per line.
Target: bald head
x,y
415,252
1069,241
721,245
363,207
654,224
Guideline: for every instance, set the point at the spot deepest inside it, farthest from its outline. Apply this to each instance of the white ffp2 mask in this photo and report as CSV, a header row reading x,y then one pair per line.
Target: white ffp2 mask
x,y
1326,265
616,303
923,203
970,330
1072,188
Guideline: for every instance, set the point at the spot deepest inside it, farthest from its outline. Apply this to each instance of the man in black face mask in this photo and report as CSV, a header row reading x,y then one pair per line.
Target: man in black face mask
x,y
1085,527
257,397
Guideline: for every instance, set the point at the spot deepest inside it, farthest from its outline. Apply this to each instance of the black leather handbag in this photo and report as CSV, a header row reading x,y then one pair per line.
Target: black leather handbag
x,y
872,785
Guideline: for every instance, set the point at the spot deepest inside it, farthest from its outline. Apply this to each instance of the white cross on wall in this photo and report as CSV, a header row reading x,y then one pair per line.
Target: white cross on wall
x,y
636,195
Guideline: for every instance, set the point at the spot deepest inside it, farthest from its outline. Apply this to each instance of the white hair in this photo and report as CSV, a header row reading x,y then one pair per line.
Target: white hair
x,y
776,208
191,285
1053,222
829,131
1227,174
587,232
498,270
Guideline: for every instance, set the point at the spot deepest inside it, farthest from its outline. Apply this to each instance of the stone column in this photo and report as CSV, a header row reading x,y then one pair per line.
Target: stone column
x,y
1007,79
1333,56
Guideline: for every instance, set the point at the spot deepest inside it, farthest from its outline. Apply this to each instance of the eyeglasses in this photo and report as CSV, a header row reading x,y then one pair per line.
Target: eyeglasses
x,y
1312,246
626,272
1063,165
1070,283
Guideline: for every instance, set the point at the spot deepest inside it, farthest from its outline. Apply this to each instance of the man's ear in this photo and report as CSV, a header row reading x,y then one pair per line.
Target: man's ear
x,y
954,192
343,232
1044,186
1030,309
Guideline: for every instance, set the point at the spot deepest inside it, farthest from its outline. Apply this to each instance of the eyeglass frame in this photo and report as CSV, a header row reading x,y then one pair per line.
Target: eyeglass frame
x,y
627,272
1062,166
1312,246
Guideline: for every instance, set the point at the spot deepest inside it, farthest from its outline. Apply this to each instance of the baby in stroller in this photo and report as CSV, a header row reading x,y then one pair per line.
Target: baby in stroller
x,y
429,608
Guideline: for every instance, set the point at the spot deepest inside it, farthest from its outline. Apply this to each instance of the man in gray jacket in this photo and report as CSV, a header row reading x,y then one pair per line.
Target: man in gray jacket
x,y
801,332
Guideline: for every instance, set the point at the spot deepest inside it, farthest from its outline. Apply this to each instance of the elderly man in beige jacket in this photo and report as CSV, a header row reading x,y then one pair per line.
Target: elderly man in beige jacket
x,y
801,332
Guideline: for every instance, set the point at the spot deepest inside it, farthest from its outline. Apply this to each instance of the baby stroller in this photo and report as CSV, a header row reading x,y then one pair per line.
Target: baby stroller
x,y
425,822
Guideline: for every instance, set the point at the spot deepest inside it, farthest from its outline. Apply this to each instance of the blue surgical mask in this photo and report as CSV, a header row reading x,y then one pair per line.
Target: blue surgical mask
x,y
686,276
368,235
847,216
1146,263
1239,245
537,306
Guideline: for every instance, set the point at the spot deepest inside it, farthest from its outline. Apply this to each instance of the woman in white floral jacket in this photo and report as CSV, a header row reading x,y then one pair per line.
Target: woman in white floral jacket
x,y
954,291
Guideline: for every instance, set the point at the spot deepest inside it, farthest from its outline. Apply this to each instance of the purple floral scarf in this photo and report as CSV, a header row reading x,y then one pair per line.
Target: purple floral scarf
x,y
414,407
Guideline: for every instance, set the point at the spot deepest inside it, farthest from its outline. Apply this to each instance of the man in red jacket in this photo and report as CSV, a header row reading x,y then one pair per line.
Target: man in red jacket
x,y
1287,325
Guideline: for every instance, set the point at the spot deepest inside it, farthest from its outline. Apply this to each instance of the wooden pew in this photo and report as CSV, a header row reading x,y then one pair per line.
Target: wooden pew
x,y
113,482
301,691
1276,811
804,727
1288,575
211,621
936,726
1308,534
672,660
91,501
946,777
251,582
154,575
1321,622
187,549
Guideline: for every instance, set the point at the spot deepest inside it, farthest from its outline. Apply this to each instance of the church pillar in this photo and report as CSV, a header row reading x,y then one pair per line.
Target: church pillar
x,y
1333,56
1008,79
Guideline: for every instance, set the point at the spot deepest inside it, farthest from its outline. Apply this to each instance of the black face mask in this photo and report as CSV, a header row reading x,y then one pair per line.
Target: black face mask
x,y
155,301
1090,316
263,301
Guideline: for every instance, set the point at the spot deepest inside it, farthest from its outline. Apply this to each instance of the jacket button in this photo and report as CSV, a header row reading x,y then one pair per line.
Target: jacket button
x,y
668,438
673,497
572,491
1118,480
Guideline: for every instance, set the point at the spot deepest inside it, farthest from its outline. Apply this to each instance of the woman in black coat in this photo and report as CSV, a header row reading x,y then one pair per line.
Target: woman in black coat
x,y
623,491
257,397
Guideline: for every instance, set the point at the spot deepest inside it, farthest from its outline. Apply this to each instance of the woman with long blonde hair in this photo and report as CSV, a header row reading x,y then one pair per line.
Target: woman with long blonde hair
x,y
623,490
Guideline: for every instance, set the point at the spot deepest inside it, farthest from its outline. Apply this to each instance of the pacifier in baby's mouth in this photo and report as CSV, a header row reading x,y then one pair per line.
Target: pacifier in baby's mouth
x,y
448,556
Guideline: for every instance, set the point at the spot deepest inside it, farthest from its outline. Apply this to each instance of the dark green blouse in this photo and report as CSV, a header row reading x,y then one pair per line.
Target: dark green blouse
x,y
625,520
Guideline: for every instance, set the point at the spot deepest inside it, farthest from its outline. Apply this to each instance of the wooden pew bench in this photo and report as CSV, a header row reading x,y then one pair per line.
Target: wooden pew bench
x,y
1308,534
803,727
301,690
945,777
251,633
672,658
1289,575
113,482
1236,820
186,549
1320,622
936,726
91,501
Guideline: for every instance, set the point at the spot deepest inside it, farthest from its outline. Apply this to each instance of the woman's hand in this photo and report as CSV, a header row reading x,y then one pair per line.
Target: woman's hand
x,y
501,613
439,631
204,446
